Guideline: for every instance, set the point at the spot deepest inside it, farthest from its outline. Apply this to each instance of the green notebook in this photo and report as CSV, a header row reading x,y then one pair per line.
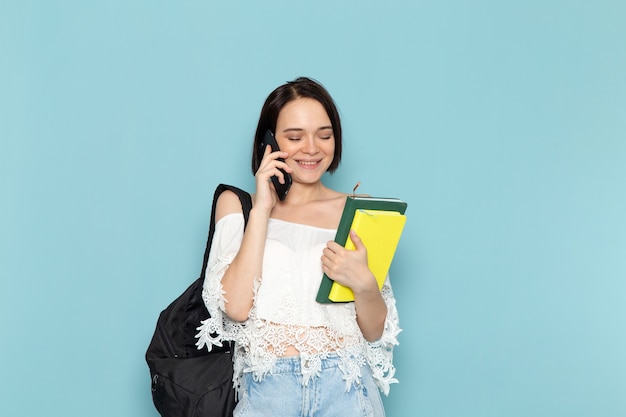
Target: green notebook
x,y
365,205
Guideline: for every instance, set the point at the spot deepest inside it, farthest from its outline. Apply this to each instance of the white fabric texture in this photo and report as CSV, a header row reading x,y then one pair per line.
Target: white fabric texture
x,y
285,312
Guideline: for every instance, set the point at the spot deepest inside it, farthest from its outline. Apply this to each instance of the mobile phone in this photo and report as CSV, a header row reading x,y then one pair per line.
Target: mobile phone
x,y
281,189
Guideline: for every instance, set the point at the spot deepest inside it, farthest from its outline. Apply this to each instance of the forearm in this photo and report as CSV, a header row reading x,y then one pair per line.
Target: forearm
x,y
371,313
238,280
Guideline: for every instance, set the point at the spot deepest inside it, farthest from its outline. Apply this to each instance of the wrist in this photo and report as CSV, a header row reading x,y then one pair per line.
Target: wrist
x,y
368,287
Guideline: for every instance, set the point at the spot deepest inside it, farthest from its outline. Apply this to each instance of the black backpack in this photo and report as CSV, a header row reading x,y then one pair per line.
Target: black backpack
x,y
187,382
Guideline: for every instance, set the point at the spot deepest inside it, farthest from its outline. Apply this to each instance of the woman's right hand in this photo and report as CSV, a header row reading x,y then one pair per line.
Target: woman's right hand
x,y
266,196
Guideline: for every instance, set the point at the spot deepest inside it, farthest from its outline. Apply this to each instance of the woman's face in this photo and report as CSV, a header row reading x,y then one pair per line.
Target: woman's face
x,y
304,130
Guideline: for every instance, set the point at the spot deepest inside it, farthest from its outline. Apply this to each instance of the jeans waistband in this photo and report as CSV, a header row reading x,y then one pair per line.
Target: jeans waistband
x,y
295,364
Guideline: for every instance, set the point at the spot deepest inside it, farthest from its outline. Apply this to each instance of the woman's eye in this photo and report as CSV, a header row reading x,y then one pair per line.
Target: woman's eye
x,y
294,138
325,134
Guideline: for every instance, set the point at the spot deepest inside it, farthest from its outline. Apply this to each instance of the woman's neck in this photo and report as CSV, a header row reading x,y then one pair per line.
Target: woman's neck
x,y
302,194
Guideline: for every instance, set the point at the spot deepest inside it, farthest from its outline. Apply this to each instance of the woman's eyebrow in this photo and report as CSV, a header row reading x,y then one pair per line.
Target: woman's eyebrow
x,y
299,129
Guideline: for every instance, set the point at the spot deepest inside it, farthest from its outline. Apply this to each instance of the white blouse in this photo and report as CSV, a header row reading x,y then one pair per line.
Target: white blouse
x,y
285,313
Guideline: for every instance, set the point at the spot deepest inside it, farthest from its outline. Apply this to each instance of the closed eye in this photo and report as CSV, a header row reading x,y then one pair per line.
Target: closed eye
x,y
325,132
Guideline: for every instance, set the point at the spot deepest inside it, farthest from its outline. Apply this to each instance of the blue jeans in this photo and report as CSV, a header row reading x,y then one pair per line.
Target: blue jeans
x,y
282,394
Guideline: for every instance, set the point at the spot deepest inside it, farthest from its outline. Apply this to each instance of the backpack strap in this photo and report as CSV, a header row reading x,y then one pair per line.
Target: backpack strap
x,y
246,205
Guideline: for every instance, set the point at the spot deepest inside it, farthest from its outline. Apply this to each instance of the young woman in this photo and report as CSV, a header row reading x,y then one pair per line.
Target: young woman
x,y
294,356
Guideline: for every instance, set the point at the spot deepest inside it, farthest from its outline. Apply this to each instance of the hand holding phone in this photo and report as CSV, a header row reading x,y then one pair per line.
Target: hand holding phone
x,y
281,189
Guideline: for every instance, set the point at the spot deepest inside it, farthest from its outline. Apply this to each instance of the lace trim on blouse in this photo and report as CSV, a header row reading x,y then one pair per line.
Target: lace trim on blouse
x,y
259,342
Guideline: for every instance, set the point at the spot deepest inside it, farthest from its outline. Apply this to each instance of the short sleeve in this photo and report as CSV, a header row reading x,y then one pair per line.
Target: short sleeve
x,y
380,353
224,247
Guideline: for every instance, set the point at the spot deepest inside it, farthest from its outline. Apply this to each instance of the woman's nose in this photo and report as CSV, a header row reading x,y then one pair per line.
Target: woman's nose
x,y
310,146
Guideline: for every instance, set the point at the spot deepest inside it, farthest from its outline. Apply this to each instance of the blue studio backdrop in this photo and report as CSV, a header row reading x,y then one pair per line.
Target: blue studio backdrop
x,y
501,123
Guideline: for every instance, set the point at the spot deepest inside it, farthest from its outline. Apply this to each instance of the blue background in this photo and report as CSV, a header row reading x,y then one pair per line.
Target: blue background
x,y
503,124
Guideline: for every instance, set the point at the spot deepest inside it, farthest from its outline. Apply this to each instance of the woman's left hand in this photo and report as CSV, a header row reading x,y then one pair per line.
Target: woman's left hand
x,y
349,267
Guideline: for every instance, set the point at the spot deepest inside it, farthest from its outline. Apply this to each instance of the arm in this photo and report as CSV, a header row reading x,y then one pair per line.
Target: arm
x,y
350,268
238,279
247,266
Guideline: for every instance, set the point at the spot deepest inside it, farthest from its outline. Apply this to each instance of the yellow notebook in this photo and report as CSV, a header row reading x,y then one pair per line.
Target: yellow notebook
x,y
380,231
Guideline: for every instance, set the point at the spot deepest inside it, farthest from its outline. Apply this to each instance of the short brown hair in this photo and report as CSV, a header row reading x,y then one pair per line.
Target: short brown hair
x,y
301,87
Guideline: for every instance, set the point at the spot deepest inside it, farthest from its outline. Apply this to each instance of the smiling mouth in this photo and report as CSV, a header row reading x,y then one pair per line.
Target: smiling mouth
x,y
308,163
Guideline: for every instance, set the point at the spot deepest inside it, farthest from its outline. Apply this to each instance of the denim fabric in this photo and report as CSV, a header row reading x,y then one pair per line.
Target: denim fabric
x,y
282,393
